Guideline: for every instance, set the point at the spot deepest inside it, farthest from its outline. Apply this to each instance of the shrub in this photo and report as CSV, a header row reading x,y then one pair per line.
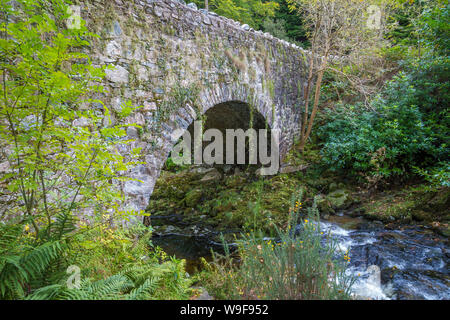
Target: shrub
x,y
298,265
438,176
114,264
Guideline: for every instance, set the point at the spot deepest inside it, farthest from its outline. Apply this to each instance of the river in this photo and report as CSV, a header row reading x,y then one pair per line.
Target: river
x,y
405,262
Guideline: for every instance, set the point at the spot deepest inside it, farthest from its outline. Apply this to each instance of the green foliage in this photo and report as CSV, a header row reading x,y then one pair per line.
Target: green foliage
x,y
277,28
406,129
402,30
115,264
386,142
51,129
251,12
290,267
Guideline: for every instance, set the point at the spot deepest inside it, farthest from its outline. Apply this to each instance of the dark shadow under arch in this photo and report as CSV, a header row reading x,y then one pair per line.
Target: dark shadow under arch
x,y
232,115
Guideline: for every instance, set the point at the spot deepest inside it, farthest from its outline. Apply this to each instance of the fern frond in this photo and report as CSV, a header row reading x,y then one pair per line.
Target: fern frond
x,y
145,290
18,270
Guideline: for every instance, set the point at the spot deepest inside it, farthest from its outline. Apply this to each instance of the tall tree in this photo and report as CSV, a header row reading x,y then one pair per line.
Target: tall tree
x,y
293,24
340,29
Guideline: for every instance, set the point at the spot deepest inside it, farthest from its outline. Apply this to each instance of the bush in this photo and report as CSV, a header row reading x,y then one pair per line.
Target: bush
x,y
292,267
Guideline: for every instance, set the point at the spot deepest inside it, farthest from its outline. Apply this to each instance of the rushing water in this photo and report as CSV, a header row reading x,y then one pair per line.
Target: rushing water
x,y
408,262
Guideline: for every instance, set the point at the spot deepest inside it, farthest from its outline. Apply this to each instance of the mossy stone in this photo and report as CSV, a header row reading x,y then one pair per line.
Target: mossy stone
x,y
324,205
193,197
339,199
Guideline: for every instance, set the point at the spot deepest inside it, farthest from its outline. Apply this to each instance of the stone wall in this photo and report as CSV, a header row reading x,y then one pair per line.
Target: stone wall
x,y
177,62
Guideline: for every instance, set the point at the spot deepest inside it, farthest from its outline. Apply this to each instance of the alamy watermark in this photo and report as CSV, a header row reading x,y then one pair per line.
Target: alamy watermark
x,y
374,17
213,153
73,282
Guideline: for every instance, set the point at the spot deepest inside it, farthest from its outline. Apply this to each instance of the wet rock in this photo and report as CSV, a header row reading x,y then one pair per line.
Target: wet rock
x,y
357,212
116,28
333,187
421,215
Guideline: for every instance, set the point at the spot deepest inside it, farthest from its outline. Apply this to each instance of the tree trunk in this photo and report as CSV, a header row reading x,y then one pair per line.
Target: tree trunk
x,y
306,97
316,103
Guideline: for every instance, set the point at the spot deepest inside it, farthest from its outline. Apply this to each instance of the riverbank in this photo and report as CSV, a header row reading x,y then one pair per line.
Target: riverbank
x,y
192,207
225,198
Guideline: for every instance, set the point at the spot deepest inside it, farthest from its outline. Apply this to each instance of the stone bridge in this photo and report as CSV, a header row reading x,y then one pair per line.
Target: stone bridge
x,y
179,62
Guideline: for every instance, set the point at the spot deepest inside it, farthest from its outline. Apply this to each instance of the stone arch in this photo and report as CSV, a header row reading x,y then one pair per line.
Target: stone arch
x,y
154,46
174,128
